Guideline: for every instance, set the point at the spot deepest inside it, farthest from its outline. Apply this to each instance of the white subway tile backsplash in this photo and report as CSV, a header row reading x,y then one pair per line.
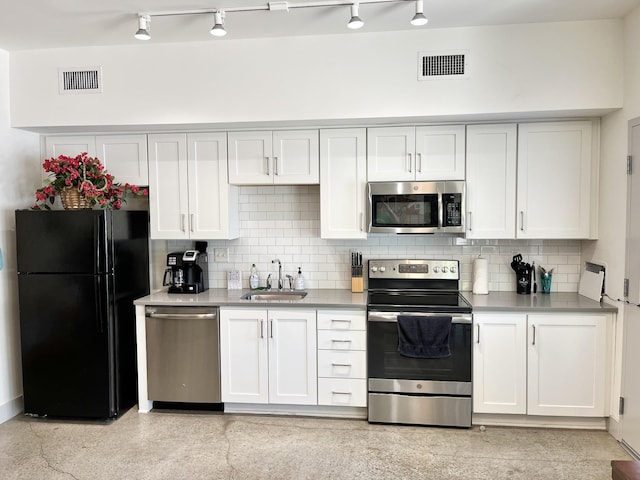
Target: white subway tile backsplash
x,y
284,222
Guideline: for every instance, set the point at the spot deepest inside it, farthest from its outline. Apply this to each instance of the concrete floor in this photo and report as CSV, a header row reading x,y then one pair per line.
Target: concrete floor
x,y
170,445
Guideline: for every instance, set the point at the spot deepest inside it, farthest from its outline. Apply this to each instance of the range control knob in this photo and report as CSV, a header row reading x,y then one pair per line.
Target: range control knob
x,y
445,269
436,269
382,269
374,269
453,269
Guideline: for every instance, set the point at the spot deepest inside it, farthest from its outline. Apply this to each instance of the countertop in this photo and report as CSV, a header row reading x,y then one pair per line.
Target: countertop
x,y
316,298
329,298
553,302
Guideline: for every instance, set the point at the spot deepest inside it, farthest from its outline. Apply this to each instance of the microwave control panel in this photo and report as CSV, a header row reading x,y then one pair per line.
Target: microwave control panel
x,y
452,209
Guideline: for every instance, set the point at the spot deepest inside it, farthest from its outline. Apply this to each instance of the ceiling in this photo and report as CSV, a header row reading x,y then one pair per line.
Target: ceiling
x,y
40,24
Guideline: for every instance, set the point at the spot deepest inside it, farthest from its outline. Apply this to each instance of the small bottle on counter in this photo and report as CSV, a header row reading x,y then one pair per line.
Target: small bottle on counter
x,y
299,283
254,278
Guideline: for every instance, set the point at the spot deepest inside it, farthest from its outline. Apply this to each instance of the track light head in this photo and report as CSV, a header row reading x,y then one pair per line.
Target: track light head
x,y
144,22
419,18
355,22
218,26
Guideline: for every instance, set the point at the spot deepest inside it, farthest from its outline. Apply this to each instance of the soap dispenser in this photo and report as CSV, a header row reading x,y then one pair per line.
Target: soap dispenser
x,y
254,278
299,284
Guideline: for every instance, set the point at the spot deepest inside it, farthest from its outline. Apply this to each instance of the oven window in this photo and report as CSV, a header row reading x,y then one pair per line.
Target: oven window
x,y
405,210
384,361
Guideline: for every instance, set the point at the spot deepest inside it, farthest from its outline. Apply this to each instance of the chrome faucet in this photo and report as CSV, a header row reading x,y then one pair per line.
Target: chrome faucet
x,y
290,280
277,260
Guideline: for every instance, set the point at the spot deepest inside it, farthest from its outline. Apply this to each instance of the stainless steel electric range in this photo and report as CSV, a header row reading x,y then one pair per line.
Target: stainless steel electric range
x,y
419,299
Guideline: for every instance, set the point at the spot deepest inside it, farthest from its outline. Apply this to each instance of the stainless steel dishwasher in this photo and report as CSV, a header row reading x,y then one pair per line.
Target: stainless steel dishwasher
x,y
183,354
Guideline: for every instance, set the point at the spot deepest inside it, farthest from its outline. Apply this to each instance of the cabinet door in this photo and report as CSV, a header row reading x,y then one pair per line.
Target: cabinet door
x,y
213,203
296,157
567,361
125,157
554,180
491,181
168,194
292,357
243,356
500,363
440,152
70,145
250,160
390,154
343,181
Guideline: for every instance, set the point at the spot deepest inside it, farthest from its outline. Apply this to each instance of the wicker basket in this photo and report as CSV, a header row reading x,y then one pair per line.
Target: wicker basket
x,y
73,200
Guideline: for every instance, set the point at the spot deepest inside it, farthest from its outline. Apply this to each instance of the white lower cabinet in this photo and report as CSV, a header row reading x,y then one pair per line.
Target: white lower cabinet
x,y
342,358
268,356
540,364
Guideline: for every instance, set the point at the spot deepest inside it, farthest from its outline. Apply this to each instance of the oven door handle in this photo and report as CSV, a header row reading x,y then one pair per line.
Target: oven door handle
x,y
392,317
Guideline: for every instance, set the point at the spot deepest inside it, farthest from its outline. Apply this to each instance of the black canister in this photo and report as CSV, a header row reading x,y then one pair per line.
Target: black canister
x,y
523,276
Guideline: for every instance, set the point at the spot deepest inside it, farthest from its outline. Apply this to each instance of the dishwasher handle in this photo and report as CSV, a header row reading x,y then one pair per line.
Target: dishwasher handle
x,y
182,312
181,315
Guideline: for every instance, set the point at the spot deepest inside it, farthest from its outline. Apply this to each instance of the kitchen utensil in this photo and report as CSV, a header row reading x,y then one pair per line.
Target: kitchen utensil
x,y
533,272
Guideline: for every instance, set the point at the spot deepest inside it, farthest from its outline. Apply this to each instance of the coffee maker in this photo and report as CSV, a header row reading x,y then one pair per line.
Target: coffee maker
x,y
187,272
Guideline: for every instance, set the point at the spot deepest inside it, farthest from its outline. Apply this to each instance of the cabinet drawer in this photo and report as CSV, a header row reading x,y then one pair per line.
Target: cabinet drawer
x,y
336,364
341,320
338,340
346,392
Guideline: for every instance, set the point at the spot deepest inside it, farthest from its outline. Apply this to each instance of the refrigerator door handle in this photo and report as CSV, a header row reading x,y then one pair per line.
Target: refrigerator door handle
x,y
96,249
98,291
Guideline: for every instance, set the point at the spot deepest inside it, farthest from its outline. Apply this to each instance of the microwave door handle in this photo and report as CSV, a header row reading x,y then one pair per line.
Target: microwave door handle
x,y
440,211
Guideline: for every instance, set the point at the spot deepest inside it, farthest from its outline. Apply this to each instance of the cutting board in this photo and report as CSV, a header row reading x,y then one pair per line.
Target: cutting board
x,y
592,280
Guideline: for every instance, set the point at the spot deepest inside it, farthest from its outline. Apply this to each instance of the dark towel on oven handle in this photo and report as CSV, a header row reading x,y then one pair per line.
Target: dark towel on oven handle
x,y
424,336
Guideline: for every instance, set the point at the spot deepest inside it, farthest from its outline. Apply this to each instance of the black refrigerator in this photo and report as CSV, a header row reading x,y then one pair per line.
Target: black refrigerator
x,y
78,275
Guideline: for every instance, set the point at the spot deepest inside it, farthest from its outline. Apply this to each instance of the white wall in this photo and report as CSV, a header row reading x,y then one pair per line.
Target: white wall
x,y
554,67
610,246
19,159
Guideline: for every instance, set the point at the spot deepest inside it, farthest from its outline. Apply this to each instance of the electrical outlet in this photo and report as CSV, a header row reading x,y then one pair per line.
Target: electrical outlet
x,y
221,254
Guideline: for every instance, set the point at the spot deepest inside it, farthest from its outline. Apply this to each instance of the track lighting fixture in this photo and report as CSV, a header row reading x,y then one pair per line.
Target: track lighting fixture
x,y
419,18
144,22
355,22
218,27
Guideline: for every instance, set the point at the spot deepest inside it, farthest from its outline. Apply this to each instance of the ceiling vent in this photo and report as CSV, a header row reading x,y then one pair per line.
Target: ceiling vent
x,y
85,80
451,65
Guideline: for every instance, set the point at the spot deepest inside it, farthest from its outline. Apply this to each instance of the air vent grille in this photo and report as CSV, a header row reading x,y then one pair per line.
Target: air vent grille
x,y
442,66
87,80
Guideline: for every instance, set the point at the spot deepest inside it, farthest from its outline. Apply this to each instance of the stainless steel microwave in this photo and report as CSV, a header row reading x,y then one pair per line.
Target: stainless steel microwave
x,y
416,207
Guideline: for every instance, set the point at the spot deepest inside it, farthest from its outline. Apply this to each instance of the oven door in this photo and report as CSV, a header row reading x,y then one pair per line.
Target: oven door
x,y
386,364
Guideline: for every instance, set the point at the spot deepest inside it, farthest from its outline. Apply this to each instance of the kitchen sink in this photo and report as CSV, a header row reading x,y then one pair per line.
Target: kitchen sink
x,y
267,295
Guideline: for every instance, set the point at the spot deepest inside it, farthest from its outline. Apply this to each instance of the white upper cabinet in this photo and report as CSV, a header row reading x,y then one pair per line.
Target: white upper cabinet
x,y
343,182
279,157
557,180
188,190
491,181
124,156
70,145
416,153
440,152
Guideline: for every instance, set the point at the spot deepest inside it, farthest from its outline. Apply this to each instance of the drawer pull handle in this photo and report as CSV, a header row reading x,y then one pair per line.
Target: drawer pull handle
x,y
340,393
346,320
340,341
348,365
